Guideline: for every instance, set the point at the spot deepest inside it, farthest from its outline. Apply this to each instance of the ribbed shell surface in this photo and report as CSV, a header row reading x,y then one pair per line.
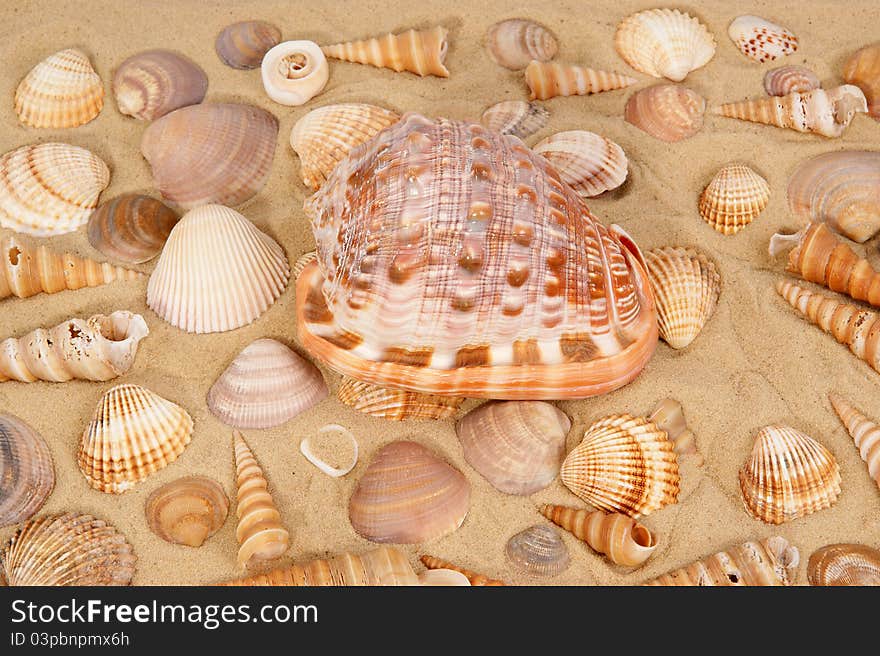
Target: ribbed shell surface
x,y
27,475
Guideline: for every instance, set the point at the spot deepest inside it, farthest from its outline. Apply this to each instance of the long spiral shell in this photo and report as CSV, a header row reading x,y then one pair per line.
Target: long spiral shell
x,y
865,433
418,51
550,79
432,562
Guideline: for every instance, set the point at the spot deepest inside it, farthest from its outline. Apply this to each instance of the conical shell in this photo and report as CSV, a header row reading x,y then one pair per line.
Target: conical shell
x,y
98,348
844,564
408,495
589,163
211,153
26,471
551,79
784,80
513,43
770,562
668,416
432,562
50,188
217,272
516,117
417,51
242,45
518,446
294,72
131,228
760,40
621,538
62,91
326,135
539,551
187,511
734,198
788,475
664,43
666,111
133,433
624,464
266,385
260,533
395,404
153,83
865,433
863,70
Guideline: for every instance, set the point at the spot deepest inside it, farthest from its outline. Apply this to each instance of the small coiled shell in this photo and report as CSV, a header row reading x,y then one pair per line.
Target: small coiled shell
x,y
863,70
844,565
153,83
865,433
734,198
538,550
516,117
513,43
395,404
760,40
783,80
666,111
294,72
131,228
418,51
589,163
432,562
243,44
551,79
187,511
26,471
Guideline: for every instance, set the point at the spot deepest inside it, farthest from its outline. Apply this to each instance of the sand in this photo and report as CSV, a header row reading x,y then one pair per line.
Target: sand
x,y
755,363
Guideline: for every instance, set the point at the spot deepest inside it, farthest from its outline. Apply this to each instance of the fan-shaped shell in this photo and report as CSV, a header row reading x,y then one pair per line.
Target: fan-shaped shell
x,y
408,495
664,43
294,72
734,198
187,511
131,228
395,404
513,43
783,80
518,446
538,550
243,44
26,471
133,433
153,83
211,153
589,163
50,188
62,91
844,564
217,272
624,464
517,117
666,111
266,385
863,70
788,475
760,40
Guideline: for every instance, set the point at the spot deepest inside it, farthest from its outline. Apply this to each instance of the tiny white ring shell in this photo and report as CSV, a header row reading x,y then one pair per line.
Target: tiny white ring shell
x,y
305,448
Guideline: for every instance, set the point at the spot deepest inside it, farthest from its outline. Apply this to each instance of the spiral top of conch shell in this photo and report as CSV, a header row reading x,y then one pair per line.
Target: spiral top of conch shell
x,y
408,293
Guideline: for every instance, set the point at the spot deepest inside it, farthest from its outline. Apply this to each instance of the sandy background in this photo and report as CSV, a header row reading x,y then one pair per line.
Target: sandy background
x,y
755,363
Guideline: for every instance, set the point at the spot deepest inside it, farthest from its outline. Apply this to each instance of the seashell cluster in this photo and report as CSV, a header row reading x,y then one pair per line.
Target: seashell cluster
x,y
513,43
863,71
760,40
551,79
734,198
131,228
243,44
515,117
432,562
305,447
418,51
26,471
187,511
844,565
395,404
294,72
666,111
153,83
538,551
784,80
865,433
588,163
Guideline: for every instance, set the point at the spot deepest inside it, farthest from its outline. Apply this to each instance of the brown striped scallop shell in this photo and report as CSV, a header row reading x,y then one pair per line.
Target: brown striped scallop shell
x,y
187,511
243,44
539,551
863,70
513,43
516,117
589,163
131,228
666,111
26,471
844,565
153,83
783,80
734,198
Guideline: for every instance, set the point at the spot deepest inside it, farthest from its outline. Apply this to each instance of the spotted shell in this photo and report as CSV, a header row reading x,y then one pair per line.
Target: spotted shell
x,y
538,550
517,117
26,471
666,111
131,228
844,564
784,80
588,162
863,70
153,83
243,44
760,40
734,198
515,42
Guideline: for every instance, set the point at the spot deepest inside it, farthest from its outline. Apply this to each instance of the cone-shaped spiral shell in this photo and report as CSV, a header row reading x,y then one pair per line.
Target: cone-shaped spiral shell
x,y
326,135
260,533
666,111
242,45
518,446
863,70
266,385
417,51
294,72
734,198
395,404
50,188
788,475
408,495
131,228
624,464
760,40
432,562
187,511
26,471
67,549
664,43
517,117
217,272
513,43
587,162
686,287
133,433
770,562
865,433
783,80
669,416
153,83
844,564
538,550
62,91
550,79
211,153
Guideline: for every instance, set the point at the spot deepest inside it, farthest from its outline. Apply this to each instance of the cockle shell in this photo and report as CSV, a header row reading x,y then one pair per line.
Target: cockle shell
x,y
664,43
550,79
863,70
62,91
443,578
760,40
784,80
666,111
26,471
408,495
517,117
624,464
294,72
518,446
418,51
50,188
788,475
211,153
734,198
538,550
243,44
865,433
153,83
398,296
217,272
131,228
187,511
513,43
266,385
395,404
67,549
668,416
589,163
133,433
844,564
432,562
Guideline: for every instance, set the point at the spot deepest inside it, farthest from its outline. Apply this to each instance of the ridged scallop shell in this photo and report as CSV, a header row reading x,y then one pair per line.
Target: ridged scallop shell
x,y
863,70
664,43
538,550
395,404
26,471
243,44
418,51
760,40
153,83
266,385
513,43
666,111
518,446
516,117
62,91
734,198
187,511
211,153
408,495
217,272
786,79
589,163
844,564
551,79
50,188
131,228
294,72
432,562
788,475
624,464
67,549
133,433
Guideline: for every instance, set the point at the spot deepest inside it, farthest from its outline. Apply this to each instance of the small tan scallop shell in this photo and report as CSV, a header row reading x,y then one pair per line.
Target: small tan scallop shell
x,y
432,562
294,72
516,117
666,111
26,471
844,564
242,45
734,198
418,51
760,40
395,404
589,163
538,550
153,83
863,70
131,228
551,79
187,511
513,43
785,79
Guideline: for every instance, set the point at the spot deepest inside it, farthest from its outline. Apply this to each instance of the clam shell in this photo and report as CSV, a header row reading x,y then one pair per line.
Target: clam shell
x,y
187,511
863,70
734,198
217,272
587,162
266,385
408,495
153,83
243,44
133,433
513,43
788,475
26,471
395,404
211,153
666,111
516,117
62,91
131,228
294,72
50,188
518,446
538,550
550,79
844,564
783,80
760,40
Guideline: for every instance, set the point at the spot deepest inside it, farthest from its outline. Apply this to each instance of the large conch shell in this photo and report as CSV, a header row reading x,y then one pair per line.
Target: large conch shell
x,y
242,45
432,562
538,550
734,198
589,163
98,348
844,564
863,70
153,83
294,72
187,511
395,404
513,43
668,112
405,294
865,433
550,79
417,51
26,471
760,40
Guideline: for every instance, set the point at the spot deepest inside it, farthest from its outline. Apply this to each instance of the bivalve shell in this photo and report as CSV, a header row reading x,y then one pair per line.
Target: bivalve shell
x,y
515,117
513,43
734,198
131,228
587,162
863,70
760,40
539,551
242,45
294,72
784,80
26,471
187,511
443,577
666,111
844,565
153,83
551,79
